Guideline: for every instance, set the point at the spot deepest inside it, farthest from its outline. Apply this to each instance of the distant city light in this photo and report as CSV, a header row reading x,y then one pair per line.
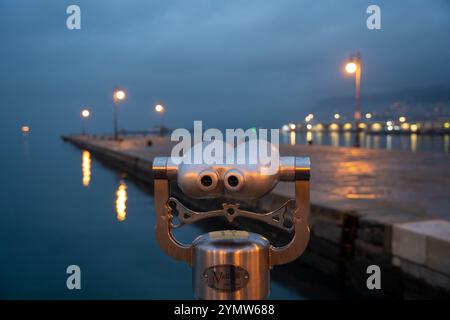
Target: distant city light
x,y
405,126
319,127
337,116
389,123
414,127
447,125
85,113
376,126
309,117
292,126
347,126
25,129
402,119
362,126
351,67
368,115
334,127
390,128
285,127
309,126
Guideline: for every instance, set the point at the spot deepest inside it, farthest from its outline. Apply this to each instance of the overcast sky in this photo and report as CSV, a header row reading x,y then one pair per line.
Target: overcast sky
x,y
231,63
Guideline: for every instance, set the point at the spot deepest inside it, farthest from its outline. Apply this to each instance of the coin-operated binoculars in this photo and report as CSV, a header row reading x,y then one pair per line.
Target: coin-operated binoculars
x,y
231,264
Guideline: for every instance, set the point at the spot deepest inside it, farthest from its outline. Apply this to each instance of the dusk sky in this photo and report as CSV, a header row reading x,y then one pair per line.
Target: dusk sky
x,y
231,63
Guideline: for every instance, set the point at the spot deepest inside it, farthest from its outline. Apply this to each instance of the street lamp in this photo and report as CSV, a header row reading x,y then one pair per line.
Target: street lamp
x,y
353,66
118,95
160,109
85,113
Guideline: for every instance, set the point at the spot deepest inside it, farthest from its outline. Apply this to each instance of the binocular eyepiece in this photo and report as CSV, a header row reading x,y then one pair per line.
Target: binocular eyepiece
x,y
238,181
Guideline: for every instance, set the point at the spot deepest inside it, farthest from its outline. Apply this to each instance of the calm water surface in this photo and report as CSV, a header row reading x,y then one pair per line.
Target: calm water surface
x,y
61,207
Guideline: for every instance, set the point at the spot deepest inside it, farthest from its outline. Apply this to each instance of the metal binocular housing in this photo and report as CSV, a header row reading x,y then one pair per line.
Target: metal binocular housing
x,y
231,264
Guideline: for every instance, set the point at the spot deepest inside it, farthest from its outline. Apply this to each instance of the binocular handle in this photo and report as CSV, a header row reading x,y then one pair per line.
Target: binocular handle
x,y
295,169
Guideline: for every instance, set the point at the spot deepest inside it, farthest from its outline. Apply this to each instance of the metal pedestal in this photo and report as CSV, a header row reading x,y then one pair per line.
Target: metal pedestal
x,y
231,265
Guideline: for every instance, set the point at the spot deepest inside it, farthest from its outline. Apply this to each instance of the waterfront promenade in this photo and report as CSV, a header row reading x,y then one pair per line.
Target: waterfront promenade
x,y
388,208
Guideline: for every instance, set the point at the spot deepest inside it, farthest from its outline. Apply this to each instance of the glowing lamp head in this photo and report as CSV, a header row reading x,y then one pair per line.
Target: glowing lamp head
x,y
119,94
351,67
368,116
337,116
402,119
159,108
85,113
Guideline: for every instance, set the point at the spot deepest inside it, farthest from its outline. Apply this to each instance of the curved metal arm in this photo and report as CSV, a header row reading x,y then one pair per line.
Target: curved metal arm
x,y
164,235
291,251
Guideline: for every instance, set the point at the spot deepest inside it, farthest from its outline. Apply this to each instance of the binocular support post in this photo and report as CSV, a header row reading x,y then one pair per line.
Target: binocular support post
x,y
232,264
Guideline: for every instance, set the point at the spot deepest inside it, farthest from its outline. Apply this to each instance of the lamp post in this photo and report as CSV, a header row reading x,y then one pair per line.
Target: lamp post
x,y
160,109
118,95
354,66
85,113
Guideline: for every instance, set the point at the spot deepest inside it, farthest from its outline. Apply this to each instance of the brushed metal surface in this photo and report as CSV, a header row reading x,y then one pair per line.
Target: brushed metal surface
x,y
237,261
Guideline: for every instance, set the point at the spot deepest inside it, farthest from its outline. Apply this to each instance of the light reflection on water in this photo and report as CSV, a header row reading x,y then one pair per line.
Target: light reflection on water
x,y
86,168
412,142
121,201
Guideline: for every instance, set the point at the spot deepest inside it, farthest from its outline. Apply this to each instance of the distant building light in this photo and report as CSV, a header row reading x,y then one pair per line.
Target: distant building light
x,y
292,126
405,126
447,125
25,129
334,127
362,126
337,116
285,128
396,128
376,126
402,119
390,128
414,127
309,117
347,126
389,123
309,126
319,127
368,115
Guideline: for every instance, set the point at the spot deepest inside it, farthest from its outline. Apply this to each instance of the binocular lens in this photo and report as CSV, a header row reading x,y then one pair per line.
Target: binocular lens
x,y
233,181
206,181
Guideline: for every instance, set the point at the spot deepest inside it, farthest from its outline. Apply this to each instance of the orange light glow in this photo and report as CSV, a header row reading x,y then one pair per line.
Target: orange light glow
x,y
159,108
376,126
119,94
347,126
25,129
351,67
85,113
292,138
334,127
